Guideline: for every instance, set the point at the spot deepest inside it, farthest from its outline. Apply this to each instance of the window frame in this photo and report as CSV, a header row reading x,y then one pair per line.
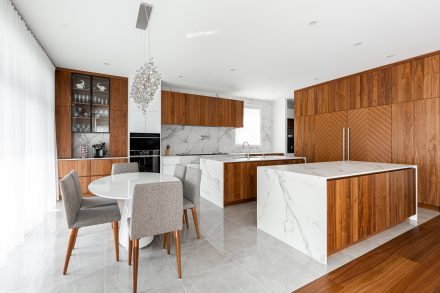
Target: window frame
x,y
257,107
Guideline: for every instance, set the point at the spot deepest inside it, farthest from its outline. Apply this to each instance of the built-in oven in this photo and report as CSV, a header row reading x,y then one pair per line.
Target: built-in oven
x,y
145,150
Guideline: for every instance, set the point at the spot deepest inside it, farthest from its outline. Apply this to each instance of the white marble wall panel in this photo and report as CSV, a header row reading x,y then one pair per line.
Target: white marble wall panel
x,y
195,139
169,162
293,208
89,139
211,186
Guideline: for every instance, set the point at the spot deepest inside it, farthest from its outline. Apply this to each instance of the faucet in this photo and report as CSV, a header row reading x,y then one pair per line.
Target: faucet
x,y
248,152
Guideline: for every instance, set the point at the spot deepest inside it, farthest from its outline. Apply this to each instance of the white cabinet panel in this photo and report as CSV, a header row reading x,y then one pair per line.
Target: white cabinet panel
x,y
137,121
152,122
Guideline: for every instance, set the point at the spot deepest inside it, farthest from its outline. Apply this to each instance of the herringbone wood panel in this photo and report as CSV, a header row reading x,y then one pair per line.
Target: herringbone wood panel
x,y
370,134
328,136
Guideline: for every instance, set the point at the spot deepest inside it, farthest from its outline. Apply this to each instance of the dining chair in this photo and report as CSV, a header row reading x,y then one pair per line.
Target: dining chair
x,y
92,201
179,172
121,168
78,217
156,209
191,195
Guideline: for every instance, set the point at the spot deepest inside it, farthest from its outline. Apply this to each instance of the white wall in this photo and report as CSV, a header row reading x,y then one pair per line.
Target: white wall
x,y
148,122
279,132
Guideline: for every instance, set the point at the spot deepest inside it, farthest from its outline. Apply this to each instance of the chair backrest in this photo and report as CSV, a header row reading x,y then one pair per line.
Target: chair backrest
x,y
191,185
180,171
157,208
120,168
71,197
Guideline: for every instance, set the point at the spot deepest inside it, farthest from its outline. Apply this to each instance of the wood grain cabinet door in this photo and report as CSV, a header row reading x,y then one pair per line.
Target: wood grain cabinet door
x,y
119,94
118,133
370,134
63,132
329,129
304,137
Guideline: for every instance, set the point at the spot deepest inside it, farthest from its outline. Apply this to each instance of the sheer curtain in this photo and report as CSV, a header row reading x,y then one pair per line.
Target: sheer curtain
x,y
27,131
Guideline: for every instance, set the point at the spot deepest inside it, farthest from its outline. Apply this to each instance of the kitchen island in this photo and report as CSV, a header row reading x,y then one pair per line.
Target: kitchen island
x,y
233,179
321,208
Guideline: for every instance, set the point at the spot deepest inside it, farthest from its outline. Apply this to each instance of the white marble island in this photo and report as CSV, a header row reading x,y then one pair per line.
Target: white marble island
x,y
232,179
320,208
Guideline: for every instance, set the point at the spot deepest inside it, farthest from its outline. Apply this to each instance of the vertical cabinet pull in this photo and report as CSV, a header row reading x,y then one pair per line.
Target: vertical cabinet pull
x,y
343,144
348,144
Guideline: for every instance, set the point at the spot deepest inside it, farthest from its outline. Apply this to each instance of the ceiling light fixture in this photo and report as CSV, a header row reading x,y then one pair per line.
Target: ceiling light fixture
x,y
312,23
180,76
232,69
390,56
357,44
271,77
316,78
200,34
106,63
147,78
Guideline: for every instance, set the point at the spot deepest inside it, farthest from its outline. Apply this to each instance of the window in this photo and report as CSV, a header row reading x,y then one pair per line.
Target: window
x,y
251,131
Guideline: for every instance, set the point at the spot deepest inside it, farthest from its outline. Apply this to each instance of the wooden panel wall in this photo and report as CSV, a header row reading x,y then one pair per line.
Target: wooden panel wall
x,y
328,136
196,110
393,115
362,206
240,179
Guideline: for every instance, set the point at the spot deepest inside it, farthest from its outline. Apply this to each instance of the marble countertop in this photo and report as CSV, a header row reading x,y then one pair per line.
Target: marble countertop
x,y
240,158
104,158
338,169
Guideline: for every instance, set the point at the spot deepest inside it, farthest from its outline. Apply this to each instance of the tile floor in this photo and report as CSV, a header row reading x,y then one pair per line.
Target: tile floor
x,y
232,256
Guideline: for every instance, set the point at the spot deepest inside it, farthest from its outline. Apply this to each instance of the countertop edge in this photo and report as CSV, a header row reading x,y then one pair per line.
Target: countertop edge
x,y
84,159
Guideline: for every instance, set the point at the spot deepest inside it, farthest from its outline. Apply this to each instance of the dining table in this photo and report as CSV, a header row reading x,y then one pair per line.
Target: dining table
x,y
121,187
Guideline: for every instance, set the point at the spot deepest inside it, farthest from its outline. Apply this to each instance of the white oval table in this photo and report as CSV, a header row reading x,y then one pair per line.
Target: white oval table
x,y
121,187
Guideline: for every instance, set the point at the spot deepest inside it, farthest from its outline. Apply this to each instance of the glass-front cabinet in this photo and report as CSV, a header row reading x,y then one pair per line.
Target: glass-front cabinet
x,y
90,103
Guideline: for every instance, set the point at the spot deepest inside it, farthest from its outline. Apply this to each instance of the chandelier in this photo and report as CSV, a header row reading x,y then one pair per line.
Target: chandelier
x,y
145,84
147,78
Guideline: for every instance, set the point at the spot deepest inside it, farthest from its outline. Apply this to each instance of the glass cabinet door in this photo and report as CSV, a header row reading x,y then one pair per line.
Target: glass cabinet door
x,y
81,98
100,104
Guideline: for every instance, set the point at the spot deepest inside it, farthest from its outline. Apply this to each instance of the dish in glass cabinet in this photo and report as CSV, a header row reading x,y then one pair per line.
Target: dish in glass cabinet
x,y
81,84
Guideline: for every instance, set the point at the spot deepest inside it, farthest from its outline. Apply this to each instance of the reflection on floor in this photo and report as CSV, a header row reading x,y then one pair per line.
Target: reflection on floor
x,y
232,256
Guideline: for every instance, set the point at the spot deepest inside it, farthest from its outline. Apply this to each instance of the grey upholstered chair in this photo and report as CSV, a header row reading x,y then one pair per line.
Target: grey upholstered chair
x,y
78,217
90,202
156,209
120,168
179,172
191,195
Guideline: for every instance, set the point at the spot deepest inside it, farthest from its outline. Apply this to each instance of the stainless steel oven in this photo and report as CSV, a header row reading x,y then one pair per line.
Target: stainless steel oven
x,y
145,150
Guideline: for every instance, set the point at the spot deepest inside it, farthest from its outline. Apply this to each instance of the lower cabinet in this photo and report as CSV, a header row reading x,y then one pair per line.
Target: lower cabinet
x,y
88,170
240,179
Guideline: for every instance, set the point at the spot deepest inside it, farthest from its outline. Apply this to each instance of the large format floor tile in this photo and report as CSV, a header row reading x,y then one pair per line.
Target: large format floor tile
x,y
231,256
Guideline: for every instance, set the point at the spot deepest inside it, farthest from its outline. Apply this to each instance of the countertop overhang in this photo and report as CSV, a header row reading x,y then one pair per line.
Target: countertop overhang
x,y
340,169
241,159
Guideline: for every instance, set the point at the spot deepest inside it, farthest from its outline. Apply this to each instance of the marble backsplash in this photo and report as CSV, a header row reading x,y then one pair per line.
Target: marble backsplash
x,y
89,139
205,140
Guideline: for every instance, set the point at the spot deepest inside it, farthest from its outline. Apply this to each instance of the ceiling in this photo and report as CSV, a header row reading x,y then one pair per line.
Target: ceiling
x,y
247,48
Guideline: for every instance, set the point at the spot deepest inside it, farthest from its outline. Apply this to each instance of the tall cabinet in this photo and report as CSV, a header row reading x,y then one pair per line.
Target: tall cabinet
x,y
392,112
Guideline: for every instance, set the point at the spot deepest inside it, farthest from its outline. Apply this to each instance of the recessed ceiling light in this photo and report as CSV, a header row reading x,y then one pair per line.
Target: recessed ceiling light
x,y
316,78
180,76
106,63
271,77
232,69
357,44
390,56
273,92
200,34
312,23
231,85
64,25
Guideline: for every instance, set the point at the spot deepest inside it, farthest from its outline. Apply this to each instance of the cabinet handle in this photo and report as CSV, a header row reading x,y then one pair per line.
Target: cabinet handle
x,y
343,144
348,144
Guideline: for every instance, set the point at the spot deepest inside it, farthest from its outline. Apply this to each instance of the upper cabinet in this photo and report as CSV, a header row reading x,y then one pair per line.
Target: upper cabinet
x,y
196,110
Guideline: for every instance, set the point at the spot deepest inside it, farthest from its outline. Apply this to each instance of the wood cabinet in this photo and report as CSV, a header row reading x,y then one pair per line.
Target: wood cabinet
x,y
240,179
196,110
402,133
304,137
118,133
63,132
370,134
119,94
362,206
328,142
88,170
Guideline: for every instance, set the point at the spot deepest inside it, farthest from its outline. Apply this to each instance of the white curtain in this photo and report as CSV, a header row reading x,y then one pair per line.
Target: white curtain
x,y
27,131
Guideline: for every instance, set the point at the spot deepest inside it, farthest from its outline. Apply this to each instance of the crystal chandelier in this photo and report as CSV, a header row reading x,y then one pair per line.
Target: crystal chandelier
x,y
145,84
147,78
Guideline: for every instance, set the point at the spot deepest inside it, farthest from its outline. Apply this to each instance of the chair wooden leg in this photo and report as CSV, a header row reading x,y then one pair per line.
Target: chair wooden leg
x,y
116,236
130,250
135,263
177,246
185,215
74,240
72,236
196,221
168,244
164,244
